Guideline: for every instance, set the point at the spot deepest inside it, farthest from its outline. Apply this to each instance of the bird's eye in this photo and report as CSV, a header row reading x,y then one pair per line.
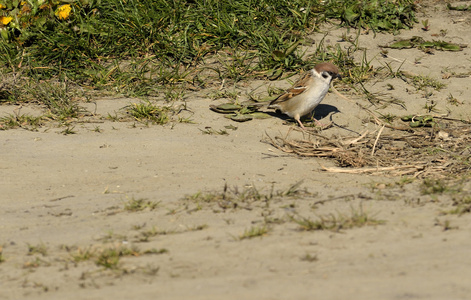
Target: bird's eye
x,y
325,75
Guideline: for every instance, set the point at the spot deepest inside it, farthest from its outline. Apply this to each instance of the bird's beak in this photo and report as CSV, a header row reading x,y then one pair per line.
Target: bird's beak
x,y
338,76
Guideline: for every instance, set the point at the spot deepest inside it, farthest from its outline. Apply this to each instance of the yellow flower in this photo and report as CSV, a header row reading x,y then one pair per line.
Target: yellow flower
x,y
5,20
63,11
2,6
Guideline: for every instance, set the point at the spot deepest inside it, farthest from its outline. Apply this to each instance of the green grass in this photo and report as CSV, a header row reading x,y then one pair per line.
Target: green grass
x,y
145,112
109,257
37,249
336,222
132,47
254,231
25,121
133,205
240,198
162,48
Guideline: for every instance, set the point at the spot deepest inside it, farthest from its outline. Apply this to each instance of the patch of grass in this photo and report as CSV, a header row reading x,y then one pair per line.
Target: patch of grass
x,y
109,257
131,48
68,130
146,112
156,251
453,101
446,225
309,258
134,205
421,82
37,249
82,254
254,231
235,198
224,94
211,131
60,100
438,186
166,35
357,218
462,205
378,15
21,121
389,118
145,235
404,180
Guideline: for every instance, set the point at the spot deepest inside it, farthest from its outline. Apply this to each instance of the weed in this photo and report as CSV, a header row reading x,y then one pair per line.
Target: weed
x,y
134,205
453,101
309,258
197,227
148,112
254,231
23,121
145,235
111,236
210,131
437,186
38,249
462,205
156,251
389,118
234,198
68,130
404,180
446,225
358,218
59,98
425,25
109,257
82,254
422,82
224,94
430,106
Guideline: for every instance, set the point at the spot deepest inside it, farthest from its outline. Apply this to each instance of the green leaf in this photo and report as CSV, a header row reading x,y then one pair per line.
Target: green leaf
x,y
441,45
404,44
229,106
459,7
260,115
241,118
350,16
293,47
278,55
276,73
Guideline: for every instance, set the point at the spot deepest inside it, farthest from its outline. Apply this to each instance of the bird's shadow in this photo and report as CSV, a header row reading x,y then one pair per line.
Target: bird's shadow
x,y
321,111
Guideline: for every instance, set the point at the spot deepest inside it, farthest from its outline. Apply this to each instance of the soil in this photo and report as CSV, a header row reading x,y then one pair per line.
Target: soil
x,y
64,196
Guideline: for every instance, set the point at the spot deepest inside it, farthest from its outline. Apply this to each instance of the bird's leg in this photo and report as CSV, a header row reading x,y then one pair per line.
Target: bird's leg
x,y
300,123
318,123
315,120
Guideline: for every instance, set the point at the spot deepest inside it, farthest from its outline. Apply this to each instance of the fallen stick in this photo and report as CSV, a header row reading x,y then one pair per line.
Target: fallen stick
x,y
367,170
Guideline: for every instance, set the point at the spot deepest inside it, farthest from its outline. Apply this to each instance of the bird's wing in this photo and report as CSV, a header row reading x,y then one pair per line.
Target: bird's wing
x,y
298,88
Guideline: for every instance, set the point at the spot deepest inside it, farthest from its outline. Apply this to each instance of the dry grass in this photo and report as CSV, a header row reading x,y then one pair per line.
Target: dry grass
x,y
437,151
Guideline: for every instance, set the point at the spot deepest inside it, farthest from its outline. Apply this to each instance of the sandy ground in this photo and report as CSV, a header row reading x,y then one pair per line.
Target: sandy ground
x,y
66,194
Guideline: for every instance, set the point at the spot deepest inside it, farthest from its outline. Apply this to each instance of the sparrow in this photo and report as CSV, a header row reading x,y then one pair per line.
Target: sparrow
x,y
307,92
